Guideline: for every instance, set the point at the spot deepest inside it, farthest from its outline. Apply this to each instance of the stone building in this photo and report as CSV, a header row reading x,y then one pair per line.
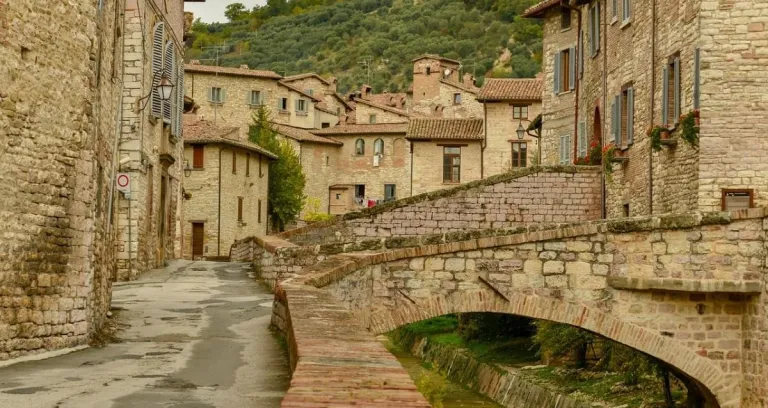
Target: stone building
x,y
371,164
369,112
626,67
225,189
439,90
230,97
150,136
60,84
444,152
325,89
507,105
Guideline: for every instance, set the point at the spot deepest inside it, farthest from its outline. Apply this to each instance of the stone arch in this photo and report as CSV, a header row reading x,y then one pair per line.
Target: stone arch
x,y
704,373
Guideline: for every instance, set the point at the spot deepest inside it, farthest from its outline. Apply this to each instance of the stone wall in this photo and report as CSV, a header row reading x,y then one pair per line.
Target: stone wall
x,y
427,159
59,92
500,131
442,105
363,112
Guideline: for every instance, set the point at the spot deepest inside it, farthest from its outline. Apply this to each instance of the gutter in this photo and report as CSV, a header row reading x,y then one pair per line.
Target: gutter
x,y
218,224
653,92
603,189
485,141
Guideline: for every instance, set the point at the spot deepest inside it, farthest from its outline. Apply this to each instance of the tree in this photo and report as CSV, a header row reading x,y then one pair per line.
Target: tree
x,y
235,11
286,177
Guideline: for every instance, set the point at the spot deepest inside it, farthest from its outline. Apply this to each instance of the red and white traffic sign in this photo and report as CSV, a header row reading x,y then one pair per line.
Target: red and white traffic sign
x,y
123,182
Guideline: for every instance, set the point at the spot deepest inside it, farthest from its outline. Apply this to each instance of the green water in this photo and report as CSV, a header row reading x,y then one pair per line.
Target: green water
x,y
455,396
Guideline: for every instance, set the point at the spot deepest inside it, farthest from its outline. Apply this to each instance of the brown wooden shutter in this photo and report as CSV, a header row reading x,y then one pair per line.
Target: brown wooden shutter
x,y
247,164
239,208
234,162
198,159
198,238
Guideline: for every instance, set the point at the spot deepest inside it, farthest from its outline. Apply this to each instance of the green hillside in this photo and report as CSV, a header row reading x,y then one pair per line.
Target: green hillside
x,y
329,38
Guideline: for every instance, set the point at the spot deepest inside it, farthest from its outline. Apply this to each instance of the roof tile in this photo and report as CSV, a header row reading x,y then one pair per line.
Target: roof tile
x,y
302,135
357,129
211,69
507,89
432,128
204,132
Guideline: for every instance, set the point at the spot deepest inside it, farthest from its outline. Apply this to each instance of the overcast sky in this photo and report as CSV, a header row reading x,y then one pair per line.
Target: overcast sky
x,y
213,10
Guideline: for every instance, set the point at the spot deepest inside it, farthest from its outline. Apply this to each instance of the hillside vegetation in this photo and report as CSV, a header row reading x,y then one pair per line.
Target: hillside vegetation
x,y
333,38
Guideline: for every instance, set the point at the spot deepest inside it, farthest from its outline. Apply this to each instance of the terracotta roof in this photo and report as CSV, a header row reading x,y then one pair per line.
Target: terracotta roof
x,y
427,129
343,101
382,107
297,77
205,132
507,89
388,99
302,135
538,9
321,106
293,88
437,57
359,129
460,86
211,69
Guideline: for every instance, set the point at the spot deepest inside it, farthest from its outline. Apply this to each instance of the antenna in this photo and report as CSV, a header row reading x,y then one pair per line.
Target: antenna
x,y
366,63
219,49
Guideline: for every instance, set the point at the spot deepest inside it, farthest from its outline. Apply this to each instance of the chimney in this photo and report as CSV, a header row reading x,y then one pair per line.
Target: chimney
x,y
333,82
244,66
194,62
469,80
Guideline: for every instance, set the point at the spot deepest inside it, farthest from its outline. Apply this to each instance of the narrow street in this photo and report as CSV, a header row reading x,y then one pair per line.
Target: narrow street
x,y
194,334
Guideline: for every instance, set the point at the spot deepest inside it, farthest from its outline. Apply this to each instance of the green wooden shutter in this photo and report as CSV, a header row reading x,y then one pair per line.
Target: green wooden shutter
x,y
696,78
665,96
630,115
572,68
556,56
677,90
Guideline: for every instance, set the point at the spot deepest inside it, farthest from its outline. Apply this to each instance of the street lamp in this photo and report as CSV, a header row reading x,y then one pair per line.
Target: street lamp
x,y
520,131
164,88
187,170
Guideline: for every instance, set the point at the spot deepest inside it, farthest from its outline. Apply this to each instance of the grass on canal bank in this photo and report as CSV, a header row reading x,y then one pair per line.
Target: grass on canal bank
x,y
599,387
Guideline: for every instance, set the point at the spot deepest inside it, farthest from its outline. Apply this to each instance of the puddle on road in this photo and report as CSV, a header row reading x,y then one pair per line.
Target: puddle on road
x,y
28,390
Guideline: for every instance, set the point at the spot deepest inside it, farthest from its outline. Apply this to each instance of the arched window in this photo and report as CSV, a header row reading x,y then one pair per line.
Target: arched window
x,y
378,147
158,38
360,147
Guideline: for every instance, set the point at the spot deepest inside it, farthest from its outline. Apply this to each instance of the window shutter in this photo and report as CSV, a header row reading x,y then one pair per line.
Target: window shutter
x,y
617,106
569,150
210,94
665,96
582,139
223,95
296,104
677,90
627,9
630,115
157,66
597,27
696,78
580,47
562,149
572,68
591,31
615,5
557,72
180,101
249,98
168,70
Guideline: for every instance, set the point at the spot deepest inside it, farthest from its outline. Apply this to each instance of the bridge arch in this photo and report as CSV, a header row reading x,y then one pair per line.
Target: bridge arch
x,y
703,373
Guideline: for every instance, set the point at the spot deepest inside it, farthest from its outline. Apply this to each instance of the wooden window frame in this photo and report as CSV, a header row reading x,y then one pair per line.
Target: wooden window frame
x,y
216,97
258,100
522,154
240,209
517,111
394,191
566,15
283,101
247,165
201,150
359,147
451,156
727,191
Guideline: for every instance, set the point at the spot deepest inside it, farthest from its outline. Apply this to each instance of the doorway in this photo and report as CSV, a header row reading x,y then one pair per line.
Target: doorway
x,y
198,238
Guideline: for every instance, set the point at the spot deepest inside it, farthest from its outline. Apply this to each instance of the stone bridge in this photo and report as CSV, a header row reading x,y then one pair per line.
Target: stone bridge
x,y
685,289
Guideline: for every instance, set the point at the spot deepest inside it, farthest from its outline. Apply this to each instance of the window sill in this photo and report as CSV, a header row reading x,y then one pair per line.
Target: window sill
x,y
625,24
298,113
595,55
255,106
614,20
452,183
563,30
564,93
283,112
216,103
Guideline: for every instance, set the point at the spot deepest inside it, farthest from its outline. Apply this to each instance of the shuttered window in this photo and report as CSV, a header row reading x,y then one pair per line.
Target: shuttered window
x,y
282,104
247,165
676,83
565,150
670,104
581,142
594,29
158,38
178,122
696,78
665,95
626,11
565,70
630,115
216,94
198,156
240,209
556,61
168,70
616,120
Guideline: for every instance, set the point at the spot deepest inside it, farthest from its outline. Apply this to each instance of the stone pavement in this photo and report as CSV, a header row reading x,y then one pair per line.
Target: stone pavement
x,y
194,334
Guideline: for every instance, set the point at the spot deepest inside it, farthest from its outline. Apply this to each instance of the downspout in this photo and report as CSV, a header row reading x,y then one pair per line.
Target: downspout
x,y
412,145
653,92
218,234
603,192
577,49
485,141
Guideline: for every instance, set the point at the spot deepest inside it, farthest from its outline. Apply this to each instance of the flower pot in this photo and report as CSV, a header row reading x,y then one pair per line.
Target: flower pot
x,y
665,134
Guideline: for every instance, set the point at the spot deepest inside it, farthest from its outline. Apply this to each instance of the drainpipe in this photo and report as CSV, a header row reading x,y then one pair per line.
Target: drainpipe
x,y
218,236
577,49
603,192
484,143
653,92
411,146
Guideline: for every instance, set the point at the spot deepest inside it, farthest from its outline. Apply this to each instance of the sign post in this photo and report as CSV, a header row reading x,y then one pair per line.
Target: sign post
x,y
124,184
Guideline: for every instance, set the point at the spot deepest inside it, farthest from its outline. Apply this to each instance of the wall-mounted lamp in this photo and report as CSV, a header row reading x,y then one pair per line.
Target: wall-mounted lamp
x,y
187,169
164,88
520,131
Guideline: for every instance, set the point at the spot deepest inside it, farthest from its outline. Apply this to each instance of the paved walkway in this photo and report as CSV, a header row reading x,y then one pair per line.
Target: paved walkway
x,y
195,336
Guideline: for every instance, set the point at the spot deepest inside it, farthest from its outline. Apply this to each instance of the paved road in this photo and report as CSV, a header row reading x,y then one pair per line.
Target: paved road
x,y
196,336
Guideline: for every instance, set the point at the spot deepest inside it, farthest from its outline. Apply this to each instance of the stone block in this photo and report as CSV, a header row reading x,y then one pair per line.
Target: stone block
x,y
532,266
553,267
417,264
455,264
577,268
434,264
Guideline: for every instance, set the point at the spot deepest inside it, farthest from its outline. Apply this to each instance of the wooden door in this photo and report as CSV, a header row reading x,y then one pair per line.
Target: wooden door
x,y
198,236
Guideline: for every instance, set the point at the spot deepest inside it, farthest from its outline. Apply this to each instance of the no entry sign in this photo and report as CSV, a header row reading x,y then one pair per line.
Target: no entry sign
x,y
123,182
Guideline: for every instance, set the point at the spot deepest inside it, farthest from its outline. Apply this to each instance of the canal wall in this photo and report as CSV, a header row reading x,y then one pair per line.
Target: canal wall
x,y
506,388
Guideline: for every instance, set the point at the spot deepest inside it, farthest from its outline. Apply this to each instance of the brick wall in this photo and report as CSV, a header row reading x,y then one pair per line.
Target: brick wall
x,y
58,112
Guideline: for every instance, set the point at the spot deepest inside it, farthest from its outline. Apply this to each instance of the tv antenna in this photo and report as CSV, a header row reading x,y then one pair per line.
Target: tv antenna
x,y
219,49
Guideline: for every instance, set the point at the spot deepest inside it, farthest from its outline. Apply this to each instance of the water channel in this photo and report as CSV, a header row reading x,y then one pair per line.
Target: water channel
x,y
456,396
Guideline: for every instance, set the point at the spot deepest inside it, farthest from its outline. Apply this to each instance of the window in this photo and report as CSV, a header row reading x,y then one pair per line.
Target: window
x,y
389,192
594,29
565,70
623,118
625,209
615,9
240,209
519,154
520,112
360,147
626,11
565,18
737,199
451,164
457,98
255,98
310,92
325,125
378,147
259,209
198,156
581,140
282,104
216,95
360,191
234,162
158,38
372,119
670,89
338,111
565,150
247,165
696,78
301,105
429,70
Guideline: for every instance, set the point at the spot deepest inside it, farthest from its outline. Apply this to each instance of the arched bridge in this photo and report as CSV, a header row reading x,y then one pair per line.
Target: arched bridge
x,y
686,289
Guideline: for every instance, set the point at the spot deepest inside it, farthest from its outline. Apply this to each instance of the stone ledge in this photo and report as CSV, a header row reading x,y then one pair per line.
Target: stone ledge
x,y
685,285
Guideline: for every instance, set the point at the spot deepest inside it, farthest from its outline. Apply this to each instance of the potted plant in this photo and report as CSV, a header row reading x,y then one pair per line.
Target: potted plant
x,y
665,133
689,129
609,154
696,116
